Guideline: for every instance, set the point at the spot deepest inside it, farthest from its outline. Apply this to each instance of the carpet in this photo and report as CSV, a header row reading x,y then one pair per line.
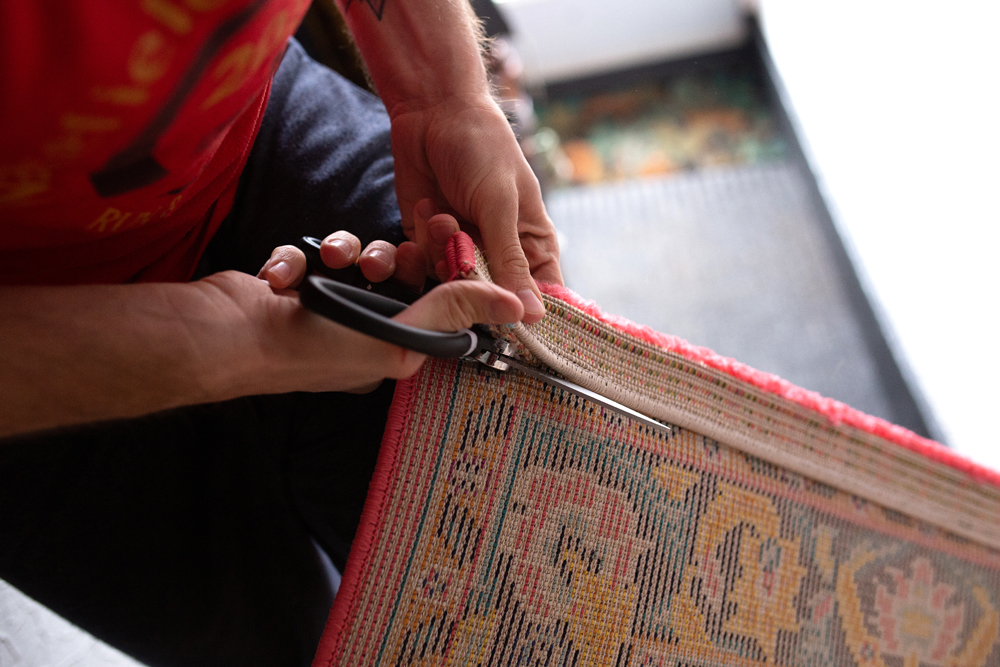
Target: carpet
x,y
510,523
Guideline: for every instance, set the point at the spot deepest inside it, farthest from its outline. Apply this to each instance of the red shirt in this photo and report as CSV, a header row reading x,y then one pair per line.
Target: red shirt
x,y
124,125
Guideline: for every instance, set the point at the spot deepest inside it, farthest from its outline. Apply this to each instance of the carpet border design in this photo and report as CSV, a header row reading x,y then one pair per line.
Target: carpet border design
x,y
329,646
835,444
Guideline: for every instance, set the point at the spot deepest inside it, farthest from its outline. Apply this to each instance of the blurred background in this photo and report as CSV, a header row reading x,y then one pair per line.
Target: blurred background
x,y
807,187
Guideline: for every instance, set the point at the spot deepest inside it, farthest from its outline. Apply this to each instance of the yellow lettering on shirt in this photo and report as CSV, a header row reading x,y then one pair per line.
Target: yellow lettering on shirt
x,y
173,205
111,215
169,14
69,144
142,219
204,5
271,40
114,220
150,57
240,64
64,148
20,181
233,70
125,96
75,122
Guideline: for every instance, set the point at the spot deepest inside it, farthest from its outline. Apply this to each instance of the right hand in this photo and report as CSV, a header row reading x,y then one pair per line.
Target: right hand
x,y
380,261
292,349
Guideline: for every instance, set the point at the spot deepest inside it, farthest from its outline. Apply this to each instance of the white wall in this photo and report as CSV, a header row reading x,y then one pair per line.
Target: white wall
x,y
898,103
560,39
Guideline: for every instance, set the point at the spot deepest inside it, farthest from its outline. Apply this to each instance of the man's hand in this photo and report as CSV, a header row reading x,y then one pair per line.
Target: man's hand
x,y
71,355
355,362
292,349
454,150
461,156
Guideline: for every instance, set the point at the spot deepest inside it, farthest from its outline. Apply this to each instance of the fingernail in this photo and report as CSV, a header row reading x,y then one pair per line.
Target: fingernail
x,y
343,246
440,233
426,209
379,255
280,273
532,305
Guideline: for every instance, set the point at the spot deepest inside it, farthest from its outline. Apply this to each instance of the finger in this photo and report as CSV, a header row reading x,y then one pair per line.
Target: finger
x,y
548,273
378,261
434,230
440,228
543,258
448,307
441,270
285,268
424,210
340,249
462,303
508,265
411,268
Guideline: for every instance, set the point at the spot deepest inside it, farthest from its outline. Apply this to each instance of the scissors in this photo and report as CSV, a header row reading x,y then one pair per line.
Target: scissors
x,y
346,297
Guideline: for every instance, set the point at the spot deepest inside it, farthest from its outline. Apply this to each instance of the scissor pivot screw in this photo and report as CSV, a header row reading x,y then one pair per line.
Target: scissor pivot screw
x,y
494,360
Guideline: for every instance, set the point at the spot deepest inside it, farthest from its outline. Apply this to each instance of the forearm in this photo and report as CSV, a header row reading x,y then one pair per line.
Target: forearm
x,y
418,51
71,355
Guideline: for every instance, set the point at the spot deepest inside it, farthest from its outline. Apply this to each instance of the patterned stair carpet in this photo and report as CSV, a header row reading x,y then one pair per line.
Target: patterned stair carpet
x,y
510,523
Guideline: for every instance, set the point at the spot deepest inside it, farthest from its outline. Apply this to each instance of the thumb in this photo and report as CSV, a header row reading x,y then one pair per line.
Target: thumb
x,y
460,304
448,307
508,264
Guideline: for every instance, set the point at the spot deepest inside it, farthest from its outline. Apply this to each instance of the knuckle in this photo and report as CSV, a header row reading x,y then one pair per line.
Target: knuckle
x,y
346,237
458,309
286,253
459,306
494,192
511,258
464,304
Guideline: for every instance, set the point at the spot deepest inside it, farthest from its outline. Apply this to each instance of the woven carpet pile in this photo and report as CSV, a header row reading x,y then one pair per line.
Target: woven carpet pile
x,y
510,523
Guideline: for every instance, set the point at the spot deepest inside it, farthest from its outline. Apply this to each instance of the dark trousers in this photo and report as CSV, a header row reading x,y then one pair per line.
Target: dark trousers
x,y
188,537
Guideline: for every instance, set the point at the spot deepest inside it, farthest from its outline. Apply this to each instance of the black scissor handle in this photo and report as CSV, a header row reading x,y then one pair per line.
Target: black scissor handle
x,y
369,313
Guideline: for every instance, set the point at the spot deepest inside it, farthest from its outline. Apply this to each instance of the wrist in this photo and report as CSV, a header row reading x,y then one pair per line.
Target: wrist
x,y
229,359
71,355
444,106
420,52
416,85
436,95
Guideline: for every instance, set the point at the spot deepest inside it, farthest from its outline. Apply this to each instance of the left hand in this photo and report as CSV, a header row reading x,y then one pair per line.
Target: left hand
x,y
459,155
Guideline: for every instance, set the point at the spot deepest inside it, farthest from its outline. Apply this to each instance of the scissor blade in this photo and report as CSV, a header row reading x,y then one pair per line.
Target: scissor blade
x,y
583,392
